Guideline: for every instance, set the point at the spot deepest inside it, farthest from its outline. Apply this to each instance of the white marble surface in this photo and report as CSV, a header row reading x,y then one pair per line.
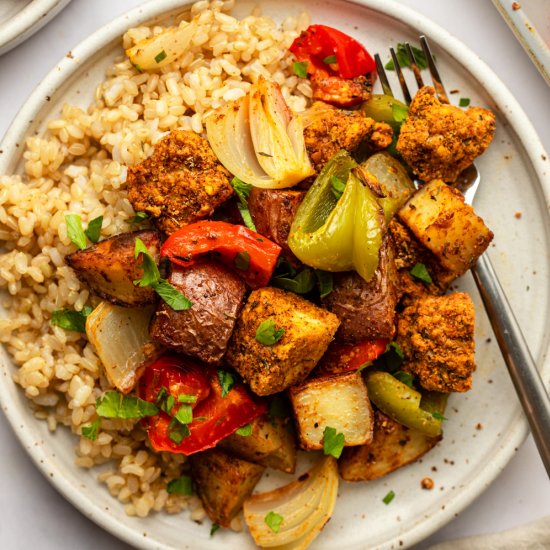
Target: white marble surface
x,y
33,515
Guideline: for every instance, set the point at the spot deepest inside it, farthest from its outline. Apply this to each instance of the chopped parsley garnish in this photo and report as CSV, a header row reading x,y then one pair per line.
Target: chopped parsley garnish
x,y
185,398
399,112
115,405
184,414
273,521
243,190
438,416
389,497
302,283
161,396
267,334
161,56
326,283
93,231
138,218
329,60
177,431
338,186
245,430
300,68
395,346
69,319
90,431
242,260
75,231
151,278
464,102
137,67
403,58
420,272
404,377
364,366
180,486
333,442
213,529
227,381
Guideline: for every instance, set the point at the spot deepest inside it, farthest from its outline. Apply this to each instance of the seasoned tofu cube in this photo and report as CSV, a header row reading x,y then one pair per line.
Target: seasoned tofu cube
x,y
307,330
271,443
110,269
440,219
392,447
223,482
340,402
202,331
436,335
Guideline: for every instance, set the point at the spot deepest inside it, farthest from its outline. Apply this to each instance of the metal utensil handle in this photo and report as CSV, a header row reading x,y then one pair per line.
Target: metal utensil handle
x,y
523,370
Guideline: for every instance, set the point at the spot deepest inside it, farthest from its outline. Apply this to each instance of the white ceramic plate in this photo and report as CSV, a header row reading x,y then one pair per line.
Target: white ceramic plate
x,y
19,19
529,20
515,179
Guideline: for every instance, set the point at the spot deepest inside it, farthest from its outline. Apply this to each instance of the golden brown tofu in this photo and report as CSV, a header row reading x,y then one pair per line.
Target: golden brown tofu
x,y
334,129
440,219
340,402
203,331
439,140
308,330
110,269
392,447
180,183
223,482
366,309
270,444
436,335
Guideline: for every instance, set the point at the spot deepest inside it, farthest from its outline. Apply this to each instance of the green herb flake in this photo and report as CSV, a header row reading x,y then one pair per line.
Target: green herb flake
x,y
326,282
139,217
329,60
464,102
213,529
302,283
399,112
300,68
388,498
90,431
242,260
180,486
93,231
364,366
161,56
333,442
395,347
267,334
420,272
243,190
69,319
172,296
245,430
438,416
177,431
186,398
404,377
151,272
161,396
115,405
184,414
167,404
403,58
338,186
75,231
227,381
273,521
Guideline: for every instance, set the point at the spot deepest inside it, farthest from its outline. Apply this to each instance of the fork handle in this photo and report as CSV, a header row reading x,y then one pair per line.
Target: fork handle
x,y
523,370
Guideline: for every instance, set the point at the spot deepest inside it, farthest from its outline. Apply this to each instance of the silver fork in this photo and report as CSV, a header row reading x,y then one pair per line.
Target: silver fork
x,y
521,366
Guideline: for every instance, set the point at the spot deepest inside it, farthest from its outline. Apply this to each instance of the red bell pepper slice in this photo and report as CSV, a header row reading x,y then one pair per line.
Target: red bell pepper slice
x,y
250,254
340,358
214,416
318,43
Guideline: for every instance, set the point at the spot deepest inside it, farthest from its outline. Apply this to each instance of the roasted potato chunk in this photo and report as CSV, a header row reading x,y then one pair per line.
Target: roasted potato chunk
x,y
439,218
393,446
436,335
203,331
270,444
340,402
180,183
308,330
110,269
223,482
366,309
440,140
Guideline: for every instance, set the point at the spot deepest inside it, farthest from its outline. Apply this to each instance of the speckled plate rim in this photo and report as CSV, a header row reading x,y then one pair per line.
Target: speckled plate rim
x,y
27,21
503,99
